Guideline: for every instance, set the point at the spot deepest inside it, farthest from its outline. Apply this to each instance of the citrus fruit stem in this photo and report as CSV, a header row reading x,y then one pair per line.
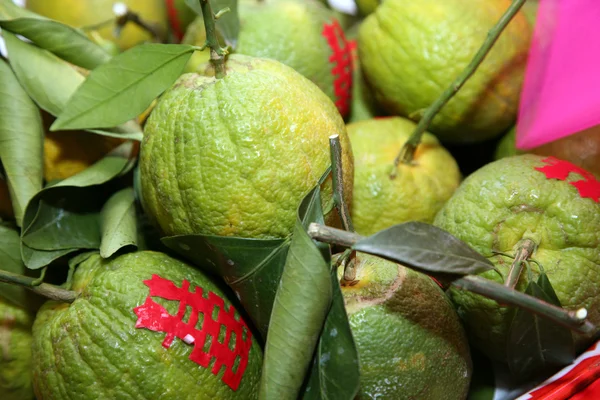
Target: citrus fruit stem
x,y
123,17
407,152
476,284
525,249
335,149
217,53
44,289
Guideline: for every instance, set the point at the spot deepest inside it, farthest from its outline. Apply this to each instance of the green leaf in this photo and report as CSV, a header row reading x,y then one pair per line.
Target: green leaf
x,y
301,305
21,141
124,87
536,344
118,222
9,10
228,25
66,42
52,88
424,247
65,217
335,371
251,267
10,260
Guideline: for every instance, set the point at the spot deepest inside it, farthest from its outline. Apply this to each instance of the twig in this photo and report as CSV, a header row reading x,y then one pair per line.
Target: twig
x,y
575,320
407,152
217,53
525,249
44,289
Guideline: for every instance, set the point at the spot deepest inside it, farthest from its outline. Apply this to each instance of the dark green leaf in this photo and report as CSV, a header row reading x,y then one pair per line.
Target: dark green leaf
x,y
424,247
251,267
228,24
66,42
124,87
10,260
21,141
118,222
535,344
65,217
301,305
334,373
52,88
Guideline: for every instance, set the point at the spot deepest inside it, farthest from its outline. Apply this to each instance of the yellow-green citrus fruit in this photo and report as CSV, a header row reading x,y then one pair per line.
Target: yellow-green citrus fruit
x,y
303,34
411,344
124,338
507,145
15,352
235,156
411,51
419,189
90,13
549,201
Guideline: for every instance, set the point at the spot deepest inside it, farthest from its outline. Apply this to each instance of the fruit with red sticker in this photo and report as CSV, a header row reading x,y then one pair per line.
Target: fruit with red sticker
x,y
304,35
552,203
109,343
410,341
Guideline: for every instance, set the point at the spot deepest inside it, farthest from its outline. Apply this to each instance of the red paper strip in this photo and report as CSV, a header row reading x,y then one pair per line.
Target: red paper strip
x,y
155,317
588,187
342,65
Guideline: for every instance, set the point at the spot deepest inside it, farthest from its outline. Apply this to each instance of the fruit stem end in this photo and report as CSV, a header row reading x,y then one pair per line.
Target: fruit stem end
x,y
217,53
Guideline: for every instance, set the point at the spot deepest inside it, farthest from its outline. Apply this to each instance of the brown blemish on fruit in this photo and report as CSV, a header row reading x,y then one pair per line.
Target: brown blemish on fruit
x,y
416,362
357,303
5,332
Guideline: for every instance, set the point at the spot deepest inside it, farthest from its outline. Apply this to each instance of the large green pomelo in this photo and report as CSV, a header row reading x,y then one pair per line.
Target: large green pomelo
x,y
15,352
411,344
91,348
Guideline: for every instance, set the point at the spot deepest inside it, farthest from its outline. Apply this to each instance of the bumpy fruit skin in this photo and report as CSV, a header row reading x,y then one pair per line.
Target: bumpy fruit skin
x,y
291,32
411,51
235,156
88,13
410,342
419,189
506,201
91,349
15,352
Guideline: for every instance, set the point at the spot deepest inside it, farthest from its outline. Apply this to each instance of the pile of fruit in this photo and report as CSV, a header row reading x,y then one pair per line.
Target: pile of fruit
x,y
271,199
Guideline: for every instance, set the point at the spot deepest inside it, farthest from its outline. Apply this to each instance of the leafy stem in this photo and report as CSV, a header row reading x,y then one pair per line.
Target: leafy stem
x,y
35,285
217,53
407,152
525,249
575,320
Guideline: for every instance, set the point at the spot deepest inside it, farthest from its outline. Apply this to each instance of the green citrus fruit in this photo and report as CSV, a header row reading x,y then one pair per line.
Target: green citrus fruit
x,y
364,105
510,200
235,156
303,34
411,51
90,13
418,191
507,145
15,352
98,347
411,344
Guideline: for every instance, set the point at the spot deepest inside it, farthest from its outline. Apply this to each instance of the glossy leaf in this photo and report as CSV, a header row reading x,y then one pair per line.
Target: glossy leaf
x,y
425,247
228,24
335,371
535,344
118,222
301,306
48,80
124,87
66,42
21,141
10,260
65,217
251,267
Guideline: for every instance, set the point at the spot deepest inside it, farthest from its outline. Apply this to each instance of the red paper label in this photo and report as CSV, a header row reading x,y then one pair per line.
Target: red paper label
x,y
588,187
155,317
342,65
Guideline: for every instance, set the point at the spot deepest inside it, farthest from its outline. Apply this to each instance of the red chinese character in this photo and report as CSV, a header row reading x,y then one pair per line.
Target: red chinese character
x,y
342,65
588,187
155,317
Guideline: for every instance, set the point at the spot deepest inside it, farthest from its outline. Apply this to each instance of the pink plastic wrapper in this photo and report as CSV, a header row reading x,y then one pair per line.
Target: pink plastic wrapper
x,y
561,90
578,381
